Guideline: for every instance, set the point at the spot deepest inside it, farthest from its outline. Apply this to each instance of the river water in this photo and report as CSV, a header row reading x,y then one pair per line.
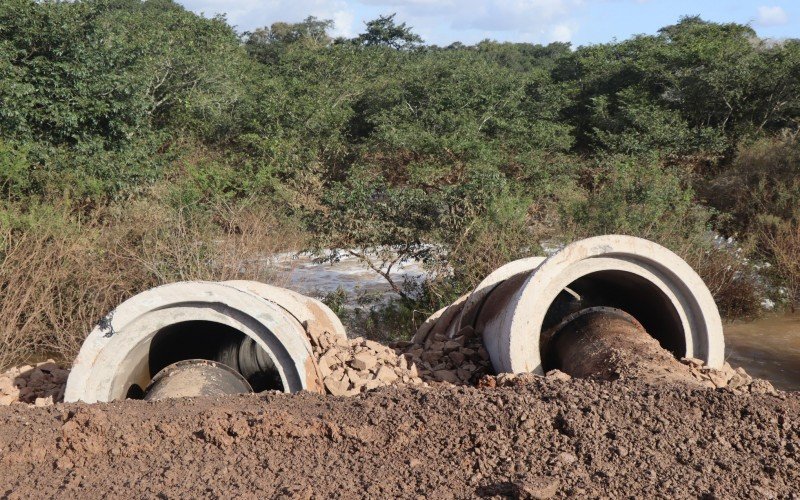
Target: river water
x,y
304,274
767,348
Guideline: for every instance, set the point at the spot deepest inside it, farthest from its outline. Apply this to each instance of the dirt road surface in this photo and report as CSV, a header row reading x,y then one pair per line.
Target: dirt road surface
x,y
533,438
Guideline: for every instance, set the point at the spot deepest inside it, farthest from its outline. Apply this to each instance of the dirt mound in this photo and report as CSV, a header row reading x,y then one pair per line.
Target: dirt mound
x,y
353,366
347,366
538,438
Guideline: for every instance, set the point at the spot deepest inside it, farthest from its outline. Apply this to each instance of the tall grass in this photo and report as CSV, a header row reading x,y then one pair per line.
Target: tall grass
x,y
782,241
58,276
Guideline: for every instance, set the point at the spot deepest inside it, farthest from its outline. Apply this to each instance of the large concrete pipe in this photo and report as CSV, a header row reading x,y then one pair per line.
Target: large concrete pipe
x,y
517,308
451,319
260,331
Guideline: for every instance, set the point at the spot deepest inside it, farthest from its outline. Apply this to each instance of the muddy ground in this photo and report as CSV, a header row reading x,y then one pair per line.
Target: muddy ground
x,y
536,438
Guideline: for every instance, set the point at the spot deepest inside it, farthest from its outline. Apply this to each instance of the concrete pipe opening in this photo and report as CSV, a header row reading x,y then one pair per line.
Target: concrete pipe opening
x,y
258,330
215,342
622,290
634,275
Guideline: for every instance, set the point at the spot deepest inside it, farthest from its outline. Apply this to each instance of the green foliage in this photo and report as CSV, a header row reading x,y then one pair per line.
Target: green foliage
x,y
636,197
710,83
465,156
762,184
384,32
266,45
520,57
14,176
93,82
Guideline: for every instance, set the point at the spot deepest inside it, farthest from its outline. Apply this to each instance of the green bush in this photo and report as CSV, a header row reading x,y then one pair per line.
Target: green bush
x,y
644,198
463,156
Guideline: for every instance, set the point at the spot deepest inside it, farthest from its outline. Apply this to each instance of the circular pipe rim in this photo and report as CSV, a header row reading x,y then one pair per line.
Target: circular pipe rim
x,y
132,325
518,329
309,312
471,310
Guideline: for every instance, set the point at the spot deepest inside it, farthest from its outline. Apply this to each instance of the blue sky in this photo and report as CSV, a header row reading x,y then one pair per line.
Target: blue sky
x,y
538,21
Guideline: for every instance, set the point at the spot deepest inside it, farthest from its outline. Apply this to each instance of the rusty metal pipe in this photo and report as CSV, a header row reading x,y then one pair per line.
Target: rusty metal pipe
x,y
607,343
196,377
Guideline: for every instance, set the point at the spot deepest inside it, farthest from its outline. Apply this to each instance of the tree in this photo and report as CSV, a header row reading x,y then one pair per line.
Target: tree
x,y
267,44
384,32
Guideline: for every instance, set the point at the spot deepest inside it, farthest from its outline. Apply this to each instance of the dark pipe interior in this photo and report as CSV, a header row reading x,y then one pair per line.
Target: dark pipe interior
x,y
214,342
627,292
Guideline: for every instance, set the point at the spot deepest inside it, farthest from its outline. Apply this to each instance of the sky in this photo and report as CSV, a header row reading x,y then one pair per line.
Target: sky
x,y
580,22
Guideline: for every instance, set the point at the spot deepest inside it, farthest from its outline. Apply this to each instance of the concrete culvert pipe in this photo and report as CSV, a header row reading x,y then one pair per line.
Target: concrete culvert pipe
x,y
260,331
517,308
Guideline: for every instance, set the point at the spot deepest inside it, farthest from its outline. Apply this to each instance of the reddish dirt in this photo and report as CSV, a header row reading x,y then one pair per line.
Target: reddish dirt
x,y
535,438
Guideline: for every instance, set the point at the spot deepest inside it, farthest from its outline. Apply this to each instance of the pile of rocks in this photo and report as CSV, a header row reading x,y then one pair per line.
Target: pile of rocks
x,y
461,359
727,377
41,385
515,379
351,366
736,380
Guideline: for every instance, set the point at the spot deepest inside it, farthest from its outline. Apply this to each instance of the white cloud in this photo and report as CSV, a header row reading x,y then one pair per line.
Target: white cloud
x,y
772,16
343,21
482,14
472,20
561,33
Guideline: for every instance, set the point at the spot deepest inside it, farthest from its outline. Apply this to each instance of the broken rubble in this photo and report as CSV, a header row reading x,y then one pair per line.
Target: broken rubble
x,y
42,384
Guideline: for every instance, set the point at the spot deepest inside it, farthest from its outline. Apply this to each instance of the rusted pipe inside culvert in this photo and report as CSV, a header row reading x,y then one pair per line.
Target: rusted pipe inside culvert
x,y
196,377
604,342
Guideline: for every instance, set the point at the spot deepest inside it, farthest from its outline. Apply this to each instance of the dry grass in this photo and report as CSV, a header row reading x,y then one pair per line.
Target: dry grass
x,y
58,280
179,245
732,280
55,286
782,242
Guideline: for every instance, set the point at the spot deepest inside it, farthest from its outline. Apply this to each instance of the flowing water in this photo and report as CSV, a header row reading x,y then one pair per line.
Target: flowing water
x,y
305,275
768,348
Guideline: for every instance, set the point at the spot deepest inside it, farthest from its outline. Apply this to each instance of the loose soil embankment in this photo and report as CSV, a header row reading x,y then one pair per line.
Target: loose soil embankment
x,y
527,437
660,428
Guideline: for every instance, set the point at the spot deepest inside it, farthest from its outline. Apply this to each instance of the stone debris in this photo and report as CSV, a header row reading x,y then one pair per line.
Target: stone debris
x,y
727,377
735,379
509,379
42,384
461,360
535,488
352,366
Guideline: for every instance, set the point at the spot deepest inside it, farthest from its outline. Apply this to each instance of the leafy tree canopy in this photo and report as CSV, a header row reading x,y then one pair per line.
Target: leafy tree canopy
x,y
385,32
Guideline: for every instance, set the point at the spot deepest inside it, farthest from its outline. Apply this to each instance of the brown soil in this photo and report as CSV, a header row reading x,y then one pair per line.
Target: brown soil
x,y
528,437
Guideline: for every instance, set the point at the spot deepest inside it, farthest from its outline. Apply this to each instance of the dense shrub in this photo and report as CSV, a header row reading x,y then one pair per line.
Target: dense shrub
x,y
762,181
141,143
